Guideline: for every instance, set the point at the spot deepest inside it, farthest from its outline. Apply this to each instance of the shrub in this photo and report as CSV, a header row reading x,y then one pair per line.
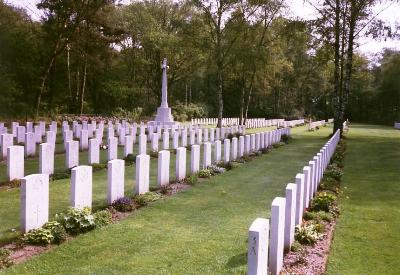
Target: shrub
x,y
317,216
246,158
217,169
102,218
334,172
98,166
286,138
144,199
278,144
51,232
183,112
124,204
58,231
130,159
4,260
205,173
227,165
165,189
76,220
307,233
192,179
266,150
40,236
15,183
329,184
153,154
59,175
296,246
323,202
133,115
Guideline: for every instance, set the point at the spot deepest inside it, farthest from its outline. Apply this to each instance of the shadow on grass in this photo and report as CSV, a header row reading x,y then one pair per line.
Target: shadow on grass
x,y
237,260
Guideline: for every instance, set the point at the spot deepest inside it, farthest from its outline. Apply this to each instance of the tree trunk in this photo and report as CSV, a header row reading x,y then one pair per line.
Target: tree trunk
x,y
349,59
83,86
336,93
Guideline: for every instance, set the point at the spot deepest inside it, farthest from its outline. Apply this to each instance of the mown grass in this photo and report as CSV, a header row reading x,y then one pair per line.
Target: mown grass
x,y
202,230
367,237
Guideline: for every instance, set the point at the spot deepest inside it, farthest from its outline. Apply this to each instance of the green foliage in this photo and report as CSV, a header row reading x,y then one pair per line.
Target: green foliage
x,y
98,166
217,169
205,173
286,139
153,154
296,246
51,232
146,198
307,233
102,218
324,201
124,204
318,216
182,112
329,184
59,175
334,171
15,183
192,179
4,258
278,144
131,115
130,159
76,221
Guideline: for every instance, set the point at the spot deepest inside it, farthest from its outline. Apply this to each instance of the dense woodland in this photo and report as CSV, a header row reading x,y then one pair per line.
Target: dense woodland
x,y
226,58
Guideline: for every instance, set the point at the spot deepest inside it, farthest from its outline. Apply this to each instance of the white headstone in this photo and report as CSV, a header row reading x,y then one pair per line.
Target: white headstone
x,y
163,168
217,151
195,159
46,158
154,142
142,173
21,134
306,173
30,145
241,146
234,147
142,144
81,187
180,163
277,235
72,154
15,162
299,198
166,140
112,152
115,180
206,154
290,214
34,200
94,151
84,140
128,145
257,252
7,140
227,149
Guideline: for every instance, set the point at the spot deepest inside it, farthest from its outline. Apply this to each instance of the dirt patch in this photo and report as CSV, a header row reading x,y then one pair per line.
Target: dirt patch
x,y
19,254
311,259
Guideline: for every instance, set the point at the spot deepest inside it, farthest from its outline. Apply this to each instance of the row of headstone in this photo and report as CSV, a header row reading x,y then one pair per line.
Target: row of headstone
x,y
28,135
312,125
291,123
35,188
270,239
250,123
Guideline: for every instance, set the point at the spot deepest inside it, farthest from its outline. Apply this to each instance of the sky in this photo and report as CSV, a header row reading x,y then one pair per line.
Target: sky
x,y
297,8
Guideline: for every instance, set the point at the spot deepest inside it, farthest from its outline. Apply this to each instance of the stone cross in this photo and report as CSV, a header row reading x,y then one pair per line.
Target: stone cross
x,y
164,101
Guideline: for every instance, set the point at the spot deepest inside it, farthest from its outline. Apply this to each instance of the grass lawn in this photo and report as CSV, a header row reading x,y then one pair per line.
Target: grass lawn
x,y
202,230
367,236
